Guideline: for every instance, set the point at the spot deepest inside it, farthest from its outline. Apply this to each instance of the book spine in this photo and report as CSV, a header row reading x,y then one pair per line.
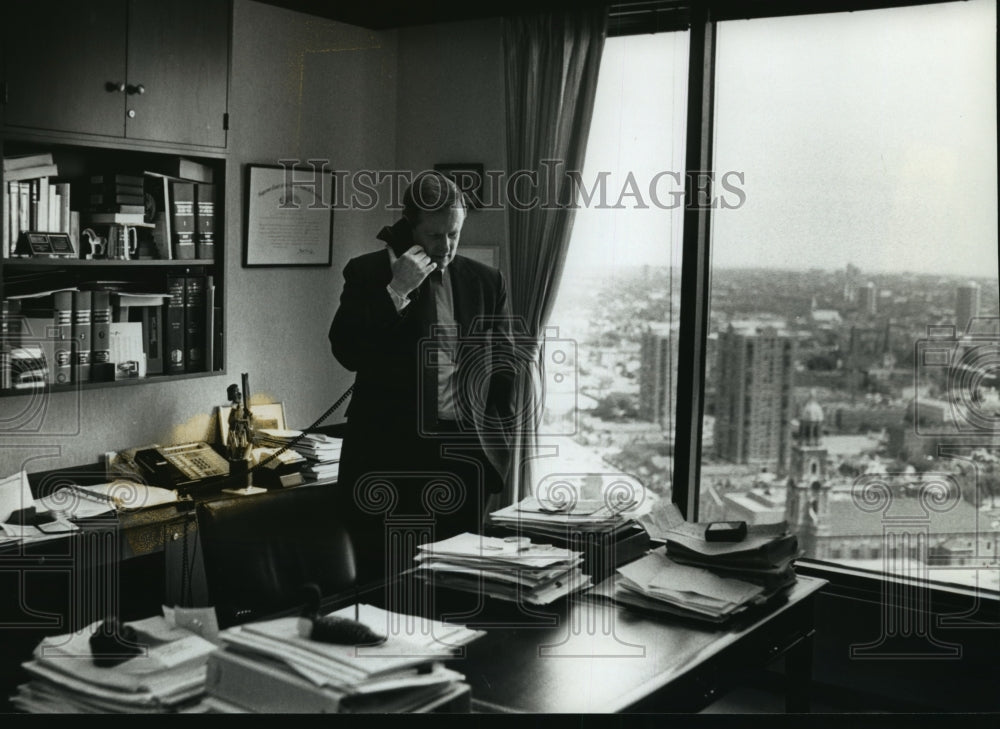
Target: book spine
x,y
174,326
182,219
100,348
62,308
205,221
25,207
42,210
152,338
10,337
54,208
32,173
74,230
82,334
10,164
194,323
114,181
8,221
210,323
217,336
34,187
64,207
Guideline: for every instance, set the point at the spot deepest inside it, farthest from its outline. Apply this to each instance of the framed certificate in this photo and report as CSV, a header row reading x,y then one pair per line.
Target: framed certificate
x,y
289,216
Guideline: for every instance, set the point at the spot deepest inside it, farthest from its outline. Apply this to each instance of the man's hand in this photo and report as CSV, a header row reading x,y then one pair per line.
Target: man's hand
x,y
410,270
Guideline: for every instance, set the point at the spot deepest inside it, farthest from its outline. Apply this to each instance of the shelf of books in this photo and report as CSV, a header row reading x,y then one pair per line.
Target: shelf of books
x,y
110,273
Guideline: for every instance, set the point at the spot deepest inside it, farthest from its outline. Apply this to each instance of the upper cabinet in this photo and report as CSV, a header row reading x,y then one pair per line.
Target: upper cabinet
x,y
134,69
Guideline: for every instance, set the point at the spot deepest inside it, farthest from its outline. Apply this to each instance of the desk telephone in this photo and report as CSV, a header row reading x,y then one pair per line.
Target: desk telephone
x,y
183,465
193,464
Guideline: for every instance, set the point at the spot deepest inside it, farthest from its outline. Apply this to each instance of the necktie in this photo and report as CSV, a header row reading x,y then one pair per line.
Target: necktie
x,y
428,362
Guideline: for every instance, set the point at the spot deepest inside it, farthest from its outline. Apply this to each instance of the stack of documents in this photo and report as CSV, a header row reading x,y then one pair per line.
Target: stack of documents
x,y
268,667
321,451
557,519
765,556
510,568
657,583
168,676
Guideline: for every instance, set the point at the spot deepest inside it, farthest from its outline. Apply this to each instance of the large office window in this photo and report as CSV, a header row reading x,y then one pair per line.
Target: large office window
x,y
852,383
619,300
851,357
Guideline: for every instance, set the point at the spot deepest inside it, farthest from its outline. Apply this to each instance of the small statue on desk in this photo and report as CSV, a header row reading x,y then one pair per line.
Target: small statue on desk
x,y
239,444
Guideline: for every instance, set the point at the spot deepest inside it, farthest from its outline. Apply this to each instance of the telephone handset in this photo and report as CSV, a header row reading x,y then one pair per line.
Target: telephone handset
x,y
401,237
182,466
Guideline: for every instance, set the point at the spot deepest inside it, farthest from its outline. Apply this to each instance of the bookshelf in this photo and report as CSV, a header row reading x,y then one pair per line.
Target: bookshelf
x,y
81,166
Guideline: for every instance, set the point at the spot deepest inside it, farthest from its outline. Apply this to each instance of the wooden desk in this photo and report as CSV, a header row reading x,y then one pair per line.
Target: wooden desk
x,y
585,655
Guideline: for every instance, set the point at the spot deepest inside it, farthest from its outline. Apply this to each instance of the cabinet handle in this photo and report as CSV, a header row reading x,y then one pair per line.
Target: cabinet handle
x,y
137,89
112,86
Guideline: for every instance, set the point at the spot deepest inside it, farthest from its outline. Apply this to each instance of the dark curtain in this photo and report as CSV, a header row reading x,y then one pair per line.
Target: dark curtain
x,y
551,66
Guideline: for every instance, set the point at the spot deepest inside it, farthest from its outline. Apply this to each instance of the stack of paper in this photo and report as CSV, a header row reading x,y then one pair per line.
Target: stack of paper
x,y
765,556
507,568
168,676
658,583
321,451
557,519
268,667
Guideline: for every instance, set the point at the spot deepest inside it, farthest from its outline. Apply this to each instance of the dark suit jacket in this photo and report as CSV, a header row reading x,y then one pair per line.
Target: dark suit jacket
x,y
368,336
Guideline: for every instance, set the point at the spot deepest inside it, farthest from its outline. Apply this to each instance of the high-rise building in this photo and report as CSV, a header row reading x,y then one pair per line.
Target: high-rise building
x,y
851,275
657,370
867,296
966,305
755,379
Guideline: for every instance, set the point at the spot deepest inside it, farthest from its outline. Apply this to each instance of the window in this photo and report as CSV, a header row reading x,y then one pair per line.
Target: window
x,y
866,145
619,298
853,281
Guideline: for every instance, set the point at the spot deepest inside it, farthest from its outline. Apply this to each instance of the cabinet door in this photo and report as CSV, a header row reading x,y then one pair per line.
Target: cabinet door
x,y
59,59
179,55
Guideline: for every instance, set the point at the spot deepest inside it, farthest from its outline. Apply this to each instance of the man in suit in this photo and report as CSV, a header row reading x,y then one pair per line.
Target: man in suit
x,y
429,425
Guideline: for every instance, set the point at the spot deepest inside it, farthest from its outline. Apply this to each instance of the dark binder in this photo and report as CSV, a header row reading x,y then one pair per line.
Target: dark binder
x,y
205,221
82,330
100,346
217,339
173,331
194,323
182,220
62,318
210,323
152,337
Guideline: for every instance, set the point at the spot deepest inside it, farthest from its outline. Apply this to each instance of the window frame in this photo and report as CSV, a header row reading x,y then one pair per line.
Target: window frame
x,y
701,19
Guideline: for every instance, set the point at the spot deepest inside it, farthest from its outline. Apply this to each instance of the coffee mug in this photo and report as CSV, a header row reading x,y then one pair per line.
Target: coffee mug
x,y
123,242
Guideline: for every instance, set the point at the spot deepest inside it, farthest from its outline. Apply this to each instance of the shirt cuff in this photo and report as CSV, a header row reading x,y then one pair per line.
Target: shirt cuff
x,y
398,301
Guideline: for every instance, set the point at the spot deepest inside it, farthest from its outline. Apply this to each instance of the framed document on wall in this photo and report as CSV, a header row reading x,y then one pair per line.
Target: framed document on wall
x,y
289,216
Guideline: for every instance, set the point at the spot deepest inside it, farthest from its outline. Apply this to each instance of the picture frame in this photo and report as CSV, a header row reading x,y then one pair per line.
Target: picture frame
x,y
289,216
266,415
468,176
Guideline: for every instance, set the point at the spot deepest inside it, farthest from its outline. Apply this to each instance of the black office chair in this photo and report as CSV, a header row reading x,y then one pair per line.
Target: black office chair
x,y
260,550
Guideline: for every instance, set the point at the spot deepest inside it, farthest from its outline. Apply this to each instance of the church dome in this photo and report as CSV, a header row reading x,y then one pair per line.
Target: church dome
x,y
812,412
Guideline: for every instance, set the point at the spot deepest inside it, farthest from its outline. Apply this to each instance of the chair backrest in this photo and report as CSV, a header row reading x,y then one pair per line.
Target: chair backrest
x,y
260,550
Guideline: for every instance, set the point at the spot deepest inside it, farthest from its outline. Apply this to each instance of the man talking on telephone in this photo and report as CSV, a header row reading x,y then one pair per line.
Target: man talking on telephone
x,y
427,331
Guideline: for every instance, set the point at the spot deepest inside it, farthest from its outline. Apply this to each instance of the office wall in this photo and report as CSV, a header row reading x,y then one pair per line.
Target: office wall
x,y
301,87
451,109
